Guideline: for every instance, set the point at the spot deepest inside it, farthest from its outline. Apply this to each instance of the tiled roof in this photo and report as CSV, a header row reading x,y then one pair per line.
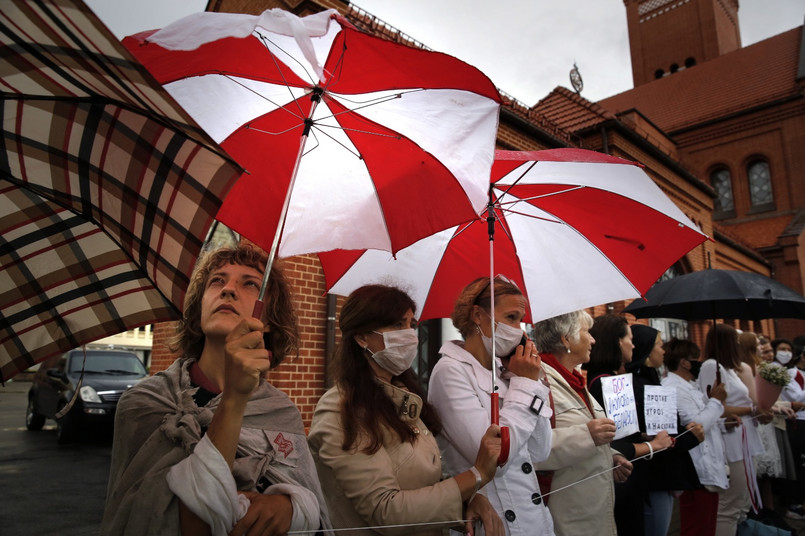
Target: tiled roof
x,y
760,73
571,111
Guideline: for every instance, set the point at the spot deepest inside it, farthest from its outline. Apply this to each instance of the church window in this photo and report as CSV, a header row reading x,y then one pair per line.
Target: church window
x,y
721,180
760,184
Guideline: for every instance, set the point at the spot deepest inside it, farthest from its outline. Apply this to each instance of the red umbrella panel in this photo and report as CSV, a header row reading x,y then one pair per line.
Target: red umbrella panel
x,y
363,135
574,229
107,187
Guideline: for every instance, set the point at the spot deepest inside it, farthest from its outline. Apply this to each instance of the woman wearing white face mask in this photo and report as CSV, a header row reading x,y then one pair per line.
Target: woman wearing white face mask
x,y
372,434
460,387
794,393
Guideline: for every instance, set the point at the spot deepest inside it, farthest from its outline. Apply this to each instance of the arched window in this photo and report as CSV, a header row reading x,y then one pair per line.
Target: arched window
x,y
760,185
721,181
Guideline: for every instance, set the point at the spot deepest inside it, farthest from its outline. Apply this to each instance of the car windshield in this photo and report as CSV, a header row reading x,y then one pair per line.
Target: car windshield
x,y
108,363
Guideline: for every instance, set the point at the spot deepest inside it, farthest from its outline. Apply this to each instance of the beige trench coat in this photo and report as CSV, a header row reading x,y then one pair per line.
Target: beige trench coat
x,y
585,508
398,485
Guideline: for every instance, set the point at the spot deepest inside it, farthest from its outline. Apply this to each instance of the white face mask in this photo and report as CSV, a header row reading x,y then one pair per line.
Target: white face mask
x,y
400,350
783,356
506,339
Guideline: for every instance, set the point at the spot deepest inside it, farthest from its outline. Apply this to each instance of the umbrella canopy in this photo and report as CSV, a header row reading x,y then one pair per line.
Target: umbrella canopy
x,y
710,294
357,136
575,228
107,188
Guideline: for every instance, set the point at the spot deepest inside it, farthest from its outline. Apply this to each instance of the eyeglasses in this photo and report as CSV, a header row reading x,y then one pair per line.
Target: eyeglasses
x,y
499,277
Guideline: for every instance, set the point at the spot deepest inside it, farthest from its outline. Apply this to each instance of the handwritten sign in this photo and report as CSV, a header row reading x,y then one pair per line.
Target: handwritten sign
x,y
659,404
619,403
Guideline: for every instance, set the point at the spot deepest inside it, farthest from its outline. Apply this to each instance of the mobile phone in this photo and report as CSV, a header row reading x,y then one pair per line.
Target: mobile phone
x,y
521,343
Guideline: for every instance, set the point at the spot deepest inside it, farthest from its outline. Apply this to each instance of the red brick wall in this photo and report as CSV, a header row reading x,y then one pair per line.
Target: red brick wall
x,y
676,30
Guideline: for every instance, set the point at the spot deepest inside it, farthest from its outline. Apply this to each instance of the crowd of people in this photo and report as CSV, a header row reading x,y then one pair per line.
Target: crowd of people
x,y
208,446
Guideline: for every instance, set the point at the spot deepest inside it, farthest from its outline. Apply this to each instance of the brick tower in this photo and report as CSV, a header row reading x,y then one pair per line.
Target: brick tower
x,y
666,36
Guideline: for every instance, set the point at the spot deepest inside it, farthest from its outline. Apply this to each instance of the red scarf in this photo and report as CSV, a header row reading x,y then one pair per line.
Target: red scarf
x,y
800,380
197,377
573,378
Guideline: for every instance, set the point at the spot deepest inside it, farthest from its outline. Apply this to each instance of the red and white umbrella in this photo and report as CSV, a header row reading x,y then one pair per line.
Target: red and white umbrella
x,y
358,137
574,229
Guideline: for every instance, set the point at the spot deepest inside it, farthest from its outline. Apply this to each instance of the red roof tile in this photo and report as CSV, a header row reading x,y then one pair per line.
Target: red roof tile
x,y
763,72
571,111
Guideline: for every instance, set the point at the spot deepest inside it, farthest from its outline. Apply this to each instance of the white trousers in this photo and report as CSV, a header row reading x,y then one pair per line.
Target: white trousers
x,y
733,503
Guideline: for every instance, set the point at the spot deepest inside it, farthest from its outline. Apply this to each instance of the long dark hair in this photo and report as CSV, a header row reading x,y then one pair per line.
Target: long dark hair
x,y
365,407
721,344
606,356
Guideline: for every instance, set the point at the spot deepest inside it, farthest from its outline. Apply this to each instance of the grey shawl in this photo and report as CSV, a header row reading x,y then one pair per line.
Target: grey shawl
x,y
158,424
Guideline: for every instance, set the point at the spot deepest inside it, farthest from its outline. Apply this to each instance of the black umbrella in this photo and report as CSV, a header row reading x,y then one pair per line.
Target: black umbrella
x,y
710,294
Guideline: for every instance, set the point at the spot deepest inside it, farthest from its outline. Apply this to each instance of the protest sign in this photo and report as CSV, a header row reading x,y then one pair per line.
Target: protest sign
x,y
619,403
659,404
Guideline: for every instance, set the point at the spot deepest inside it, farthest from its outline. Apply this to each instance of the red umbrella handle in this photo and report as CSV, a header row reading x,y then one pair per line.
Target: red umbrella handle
x,y
504,430
259,307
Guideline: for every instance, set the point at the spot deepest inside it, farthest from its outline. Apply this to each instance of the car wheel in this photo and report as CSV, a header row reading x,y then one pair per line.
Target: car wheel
x,y
66,428
33,420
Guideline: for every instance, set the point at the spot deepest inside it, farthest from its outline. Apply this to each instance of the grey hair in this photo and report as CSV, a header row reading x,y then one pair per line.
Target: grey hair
x,y
548,333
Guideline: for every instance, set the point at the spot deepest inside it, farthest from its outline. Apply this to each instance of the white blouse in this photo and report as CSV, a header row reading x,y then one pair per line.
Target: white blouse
x,y
737,395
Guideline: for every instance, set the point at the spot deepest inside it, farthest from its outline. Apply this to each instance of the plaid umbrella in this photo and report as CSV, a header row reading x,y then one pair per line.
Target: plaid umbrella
x,y
107,188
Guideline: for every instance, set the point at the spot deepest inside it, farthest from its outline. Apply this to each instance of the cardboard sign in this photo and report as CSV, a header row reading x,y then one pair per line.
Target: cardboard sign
x,y
619,403
659,404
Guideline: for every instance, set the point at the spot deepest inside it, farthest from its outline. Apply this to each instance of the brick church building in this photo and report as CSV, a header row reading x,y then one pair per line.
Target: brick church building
x,y
718,127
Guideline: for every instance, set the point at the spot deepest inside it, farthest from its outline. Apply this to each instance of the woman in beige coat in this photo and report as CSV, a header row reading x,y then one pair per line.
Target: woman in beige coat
x,y
372,433
581,433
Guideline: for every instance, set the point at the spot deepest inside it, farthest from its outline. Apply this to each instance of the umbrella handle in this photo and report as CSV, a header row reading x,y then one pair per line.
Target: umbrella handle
x,y
504,430
259,308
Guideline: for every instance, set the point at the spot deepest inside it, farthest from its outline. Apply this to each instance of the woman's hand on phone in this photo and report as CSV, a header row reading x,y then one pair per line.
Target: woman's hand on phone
x,y
526,361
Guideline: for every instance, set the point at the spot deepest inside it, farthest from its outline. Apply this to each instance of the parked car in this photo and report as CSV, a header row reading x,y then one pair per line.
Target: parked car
x,y
107,374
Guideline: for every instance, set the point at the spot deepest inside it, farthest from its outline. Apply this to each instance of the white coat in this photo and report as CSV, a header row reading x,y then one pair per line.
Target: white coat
x,y
793,392
693,406
459,390
737,395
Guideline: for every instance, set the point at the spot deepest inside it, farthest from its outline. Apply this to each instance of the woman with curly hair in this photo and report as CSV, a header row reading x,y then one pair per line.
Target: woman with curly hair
x,y
208,446
460,387
372,433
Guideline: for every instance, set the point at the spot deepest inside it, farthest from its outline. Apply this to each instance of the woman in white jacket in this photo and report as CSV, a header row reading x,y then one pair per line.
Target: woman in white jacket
x,y
698,507
721,363
460,387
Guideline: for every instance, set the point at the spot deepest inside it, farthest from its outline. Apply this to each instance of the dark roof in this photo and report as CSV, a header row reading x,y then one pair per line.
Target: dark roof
x,y
764,72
